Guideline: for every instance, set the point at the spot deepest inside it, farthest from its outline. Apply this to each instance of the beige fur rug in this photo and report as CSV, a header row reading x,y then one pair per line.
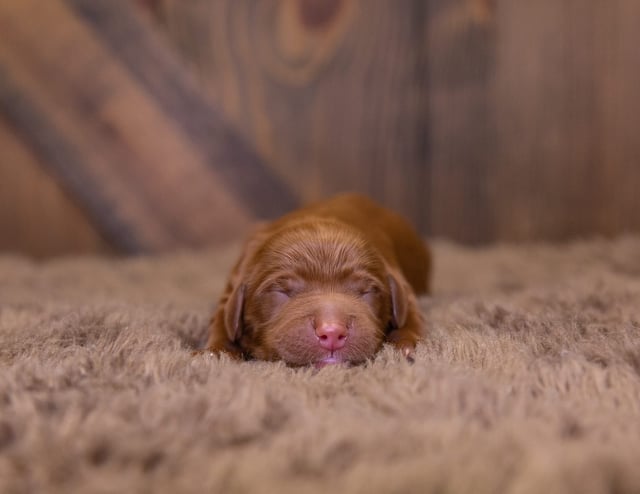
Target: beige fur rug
x,y
528,382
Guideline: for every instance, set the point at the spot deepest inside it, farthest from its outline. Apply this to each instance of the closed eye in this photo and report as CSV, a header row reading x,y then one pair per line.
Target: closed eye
x,y
286,287
369,291
279,297
367,288
369,294
281,291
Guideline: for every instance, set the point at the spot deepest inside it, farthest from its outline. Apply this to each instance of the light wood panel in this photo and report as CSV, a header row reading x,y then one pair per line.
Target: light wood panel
x,y
104,104
37,217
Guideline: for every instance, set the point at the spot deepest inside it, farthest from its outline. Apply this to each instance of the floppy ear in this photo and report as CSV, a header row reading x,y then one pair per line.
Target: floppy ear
x,y
399,300
233,309
225,329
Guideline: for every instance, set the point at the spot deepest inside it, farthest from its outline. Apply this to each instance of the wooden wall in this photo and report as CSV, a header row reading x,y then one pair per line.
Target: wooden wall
x,y
101,104
482,120
178,123
36,215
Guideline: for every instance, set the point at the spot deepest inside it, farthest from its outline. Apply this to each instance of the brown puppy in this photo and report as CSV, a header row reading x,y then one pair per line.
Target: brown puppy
x,y
325,284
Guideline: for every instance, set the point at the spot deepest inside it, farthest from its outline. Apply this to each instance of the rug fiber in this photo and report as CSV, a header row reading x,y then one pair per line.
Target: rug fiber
x,y
528,382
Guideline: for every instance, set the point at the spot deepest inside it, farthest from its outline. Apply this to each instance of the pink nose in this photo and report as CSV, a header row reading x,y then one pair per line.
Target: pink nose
x,y
331,336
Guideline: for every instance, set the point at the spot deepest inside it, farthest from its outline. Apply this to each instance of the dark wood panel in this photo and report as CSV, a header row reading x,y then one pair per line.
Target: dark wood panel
x,y
546,168
460,40
618,73
482,120
556,90
534,105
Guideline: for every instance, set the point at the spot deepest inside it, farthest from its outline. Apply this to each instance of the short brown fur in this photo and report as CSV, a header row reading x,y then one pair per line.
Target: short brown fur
x,y
345,261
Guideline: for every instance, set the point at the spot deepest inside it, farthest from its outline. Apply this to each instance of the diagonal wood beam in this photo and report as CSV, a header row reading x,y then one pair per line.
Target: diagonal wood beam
x,y
120,123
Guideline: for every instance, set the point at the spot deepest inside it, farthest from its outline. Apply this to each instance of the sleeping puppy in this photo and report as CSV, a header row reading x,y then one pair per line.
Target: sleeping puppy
x,y
326,284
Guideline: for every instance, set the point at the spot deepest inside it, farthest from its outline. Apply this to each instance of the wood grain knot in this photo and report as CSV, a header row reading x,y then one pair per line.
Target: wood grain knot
x,y
318,14
295,39
483,11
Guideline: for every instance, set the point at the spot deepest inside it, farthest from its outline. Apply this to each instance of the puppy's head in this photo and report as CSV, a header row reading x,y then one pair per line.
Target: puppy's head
x,y
314,292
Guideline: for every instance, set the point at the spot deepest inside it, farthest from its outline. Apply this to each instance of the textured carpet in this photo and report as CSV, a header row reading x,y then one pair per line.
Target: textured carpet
x,y
528,382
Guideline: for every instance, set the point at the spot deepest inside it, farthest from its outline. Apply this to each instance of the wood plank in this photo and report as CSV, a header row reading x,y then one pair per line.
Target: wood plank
x,y
528,104
544,100
41,135
330,93
160,75
482,120
555,174
37,218
619,79
460,39
111,140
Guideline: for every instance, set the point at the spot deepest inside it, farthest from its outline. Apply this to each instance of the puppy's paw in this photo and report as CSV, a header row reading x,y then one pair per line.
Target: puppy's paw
x,y
227,348
409,354
407,349
209,353
405,342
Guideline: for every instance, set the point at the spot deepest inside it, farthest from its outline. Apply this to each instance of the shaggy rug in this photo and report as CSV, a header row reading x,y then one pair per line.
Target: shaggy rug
x,y
529,381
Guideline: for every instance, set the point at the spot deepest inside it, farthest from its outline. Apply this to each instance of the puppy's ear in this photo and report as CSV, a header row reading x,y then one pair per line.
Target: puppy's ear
x,y
233,309
399,299
225,328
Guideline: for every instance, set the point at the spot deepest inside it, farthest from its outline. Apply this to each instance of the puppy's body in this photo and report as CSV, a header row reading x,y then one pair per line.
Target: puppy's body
x,y
325,284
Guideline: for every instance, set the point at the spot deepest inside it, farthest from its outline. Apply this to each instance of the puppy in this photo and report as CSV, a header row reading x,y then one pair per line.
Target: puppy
x,y
326,284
